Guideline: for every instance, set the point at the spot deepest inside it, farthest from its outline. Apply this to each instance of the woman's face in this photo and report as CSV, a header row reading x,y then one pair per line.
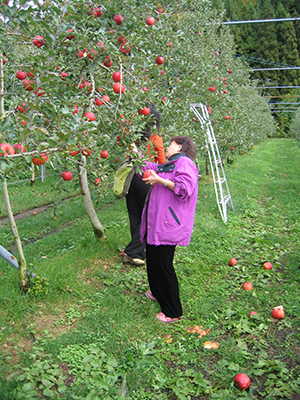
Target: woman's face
x,y
174,148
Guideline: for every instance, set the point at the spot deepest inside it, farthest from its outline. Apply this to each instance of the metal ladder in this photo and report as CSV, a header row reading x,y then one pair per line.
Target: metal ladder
x,y
218,173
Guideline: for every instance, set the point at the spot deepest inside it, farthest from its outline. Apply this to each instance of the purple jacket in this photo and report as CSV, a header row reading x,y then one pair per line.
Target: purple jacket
x,y
170,215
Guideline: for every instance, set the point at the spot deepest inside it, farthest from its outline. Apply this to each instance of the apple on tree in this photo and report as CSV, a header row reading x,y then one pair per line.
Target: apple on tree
x,y
41,160
6,149
107,61
86,152
117,76
97,12
21,75
18,146
67,175
144,111
241,381
118,19
117,88
90,116
159,60
104,154
39,41
73,152
97,182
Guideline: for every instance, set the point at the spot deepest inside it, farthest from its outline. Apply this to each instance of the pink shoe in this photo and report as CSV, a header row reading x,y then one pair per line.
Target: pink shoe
x,y
163,318
150,296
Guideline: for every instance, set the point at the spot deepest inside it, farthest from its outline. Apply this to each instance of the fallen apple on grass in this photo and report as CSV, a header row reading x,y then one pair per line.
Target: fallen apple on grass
x,y
252,313
278,312
232,262
267,265
247,286
241,381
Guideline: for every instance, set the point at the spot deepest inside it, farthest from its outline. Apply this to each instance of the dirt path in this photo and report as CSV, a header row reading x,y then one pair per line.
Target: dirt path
x,y
38,210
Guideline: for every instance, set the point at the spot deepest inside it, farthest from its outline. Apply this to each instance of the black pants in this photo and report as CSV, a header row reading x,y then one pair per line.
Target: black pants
x,y
135,200
163,280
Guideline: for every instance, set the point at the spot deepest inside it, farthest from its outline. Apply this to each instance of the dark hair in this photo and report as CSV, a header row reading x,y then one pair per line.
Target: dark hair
x,y
187,145
146,132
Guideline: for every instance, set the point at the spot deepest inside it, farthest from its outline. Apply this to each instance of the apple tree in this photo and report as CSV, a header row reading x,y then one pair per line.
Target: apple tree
x,y
78,77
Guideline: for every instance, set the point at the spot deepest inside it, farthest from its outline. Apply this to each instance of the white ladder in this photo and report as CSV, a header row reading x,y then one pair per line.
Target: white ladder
x,y
218,173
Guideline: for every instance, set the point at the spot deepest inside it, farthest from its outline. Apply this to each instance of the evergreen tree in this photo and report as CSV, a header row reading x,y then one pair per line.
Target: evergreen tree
x,y
267,45
287,45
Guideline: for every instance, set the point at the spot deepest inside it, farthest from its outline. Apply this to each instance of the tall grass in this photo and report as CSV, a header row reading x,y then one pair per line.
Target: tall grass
x,y
97,325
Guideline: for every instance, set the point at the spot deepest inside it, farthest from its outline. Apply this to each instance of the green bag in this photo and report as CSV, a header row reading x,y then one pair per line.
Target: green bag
x,y
123,178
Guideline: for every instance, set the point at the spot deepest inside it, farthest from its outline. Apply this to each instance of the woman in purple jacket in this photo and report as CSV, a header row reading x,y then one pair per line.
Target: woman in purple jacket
x,y
167,221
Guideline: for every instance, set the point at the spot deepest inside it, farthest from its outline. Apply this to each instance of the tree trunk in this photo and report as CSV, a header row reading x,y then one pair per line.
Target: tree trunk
x,y
22,260
88,204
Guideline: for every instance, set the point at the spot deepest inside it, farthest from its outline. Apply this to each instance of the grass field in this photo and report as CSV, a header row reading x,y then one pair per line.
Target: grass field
x,y
92,334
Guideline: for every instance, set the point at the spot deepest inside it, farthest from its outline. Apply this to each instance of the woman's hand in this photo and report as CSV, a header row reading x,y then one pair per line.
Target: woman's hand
x,y
153,179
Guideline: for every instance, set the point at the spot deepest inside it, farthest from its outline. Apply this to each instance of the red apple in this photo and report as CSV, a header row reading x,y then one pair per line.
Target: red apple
x,y
117,87
144,89
20,108
159,60
39,161
227,117
247,286
6,149
39,41
159,10
18,146
73,152
267,265
241,381
252,313
232,262
117,76
118,19
104,154
98,102
229,71
21,75
144,111
64,75
150,21
164,99
27,84
106,98
70,37
97,182
278,312
67,175
147,173
90,116
34,212
107,61
121,39
97,12
86,152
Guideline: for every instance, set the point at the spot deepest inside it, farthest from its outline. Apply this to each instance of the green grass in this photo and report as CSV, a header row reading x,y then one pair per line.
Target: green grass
x,y
96,334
